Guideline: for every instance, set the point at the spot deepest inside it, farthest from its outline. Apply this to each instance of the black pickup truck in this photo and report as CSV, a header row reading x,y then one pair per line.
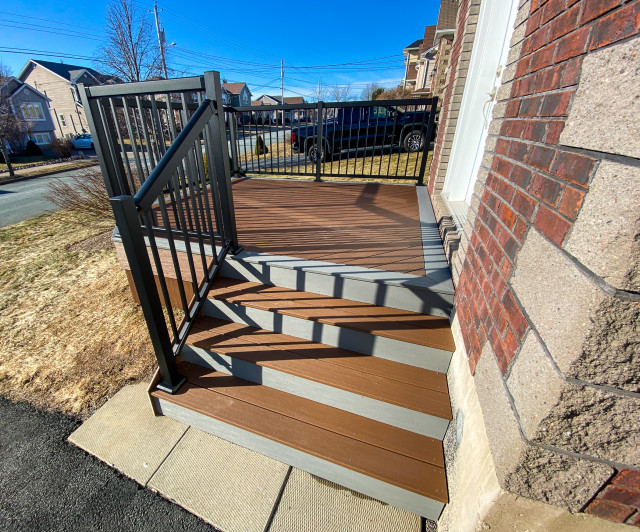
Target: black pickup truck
x,y
363,127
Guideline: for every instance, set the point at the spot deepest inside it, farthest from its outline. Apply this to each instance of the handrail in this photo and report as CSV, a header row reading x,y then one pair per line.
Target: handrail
x,y
140,88
161,174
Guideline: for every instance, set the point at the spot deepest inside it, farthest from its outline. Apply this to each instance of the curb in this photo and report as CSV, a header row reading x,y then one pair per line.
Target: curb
x,y
44,174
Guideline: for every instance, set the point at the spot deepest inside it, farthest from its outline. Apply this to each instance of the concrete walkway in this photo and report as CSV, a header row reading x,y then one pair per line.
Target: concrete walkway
x,y
237,490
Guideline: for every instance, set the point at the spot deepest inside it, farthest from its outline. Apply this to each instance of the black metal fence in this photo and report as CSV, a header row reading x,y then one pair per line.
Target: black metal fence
x,y
164,155
388,139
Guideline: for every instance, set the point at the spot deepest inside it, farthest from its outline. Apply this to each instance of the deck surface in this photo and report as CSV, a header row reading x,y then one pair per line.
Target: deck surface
x,y
368,225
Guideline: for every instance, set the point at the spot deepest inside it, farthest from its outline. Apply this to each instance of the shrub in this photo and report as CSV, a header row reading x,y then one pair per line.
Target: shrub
x,y
261,148
85,193
62,147
32,149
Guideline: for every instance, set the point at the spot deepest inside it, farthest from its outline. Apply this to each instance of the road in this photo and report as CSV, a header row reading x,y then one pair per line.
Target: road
x,y
25,199
47,484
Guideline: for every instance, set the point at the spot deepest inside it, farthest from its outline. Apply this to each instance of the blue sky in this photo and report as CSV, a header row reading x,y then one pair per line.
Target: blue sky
x,y
245,41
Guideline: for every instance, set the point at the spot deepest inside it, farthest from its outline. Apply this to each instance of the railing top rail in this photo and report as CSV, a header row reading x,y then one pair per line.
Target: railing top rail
x,y
159,177
140,88
368,103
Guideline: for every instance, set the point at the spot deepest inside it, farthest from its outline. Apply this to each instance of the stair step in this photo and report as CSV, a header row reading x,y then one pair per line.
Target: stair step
x,y
396,324
391,464
291,355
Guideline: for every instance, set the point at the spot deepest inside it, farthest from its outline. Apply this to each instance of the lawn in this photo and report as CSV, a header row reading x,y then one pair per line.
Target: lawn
x,y
70,333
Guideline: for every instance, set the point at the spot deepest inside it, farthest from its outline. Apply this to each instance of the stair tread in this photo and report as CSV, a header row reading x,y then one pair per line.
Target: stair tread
x,y
412,327
273,350
387,453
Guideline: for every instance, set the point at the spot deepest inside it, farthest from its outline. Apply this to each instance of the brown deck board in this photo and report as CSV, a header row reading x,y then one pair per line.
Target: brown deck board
x,y
403,373
407,326
376,226
377,462
233,342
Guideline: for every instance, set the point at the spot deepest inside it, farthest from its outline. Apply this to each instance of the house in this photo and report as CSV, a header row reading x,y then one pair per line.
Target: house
x,y
536,191
239,94
411,53
443,39
266,99
59,83
31,105
426,63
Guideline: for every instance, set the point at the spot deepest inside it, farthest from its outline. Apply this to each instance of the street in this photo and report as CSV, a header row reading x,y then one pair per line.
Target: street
x,y
25,199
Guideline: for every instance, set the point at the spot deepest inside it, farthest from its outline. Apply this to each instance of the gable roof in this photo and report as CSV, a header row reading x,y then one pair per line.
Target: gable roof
x,y
17,87
414,44
66,71
235,88
278,99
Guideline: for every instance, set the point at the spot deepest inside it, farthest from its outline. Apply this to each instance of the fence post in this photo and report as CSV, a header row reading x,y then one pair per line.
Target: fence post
x,y
319,141
427,140
104,143
235,167
222,171
128,223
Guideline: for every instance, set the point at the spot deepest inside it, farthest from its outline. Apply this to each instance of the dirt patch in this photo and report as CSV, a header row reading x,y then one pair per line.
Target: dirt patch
x,y
95,243
70,334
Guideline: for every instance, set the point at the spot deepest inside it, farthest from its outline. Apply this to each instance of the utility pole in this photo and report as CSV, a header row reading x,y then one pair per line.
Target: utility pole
x,y
282,86
161,39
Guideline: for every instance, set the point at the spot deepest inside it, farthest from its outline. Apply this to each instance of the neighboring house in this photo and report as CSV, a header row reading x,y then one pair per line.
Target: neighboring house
x,y
443,40
536,190
266,99
58,82
31,105
411,56
426,63
238,93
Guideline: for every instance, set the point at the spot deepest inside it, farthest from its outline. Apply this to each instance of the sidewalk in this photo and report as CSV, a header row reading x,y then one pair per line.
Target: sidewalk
x,y
46,169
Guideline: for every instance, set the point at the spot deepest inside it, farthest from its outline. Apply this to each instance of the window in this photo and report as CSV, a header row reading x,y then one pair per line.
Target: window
x,y
62,120
41,138
32,111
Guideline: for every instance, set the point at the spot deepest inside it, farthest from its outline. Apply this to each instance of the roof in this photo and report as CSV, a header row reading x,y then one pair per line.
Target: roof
x,y
13,85
414,44
235,88
447,15
291,100
66,71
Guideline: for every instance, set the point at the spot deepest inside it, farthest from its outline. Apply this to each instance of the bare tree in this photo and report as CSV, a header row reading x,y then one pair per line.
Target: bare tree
x,y
340,93
397,93
371,90
131,51
13,128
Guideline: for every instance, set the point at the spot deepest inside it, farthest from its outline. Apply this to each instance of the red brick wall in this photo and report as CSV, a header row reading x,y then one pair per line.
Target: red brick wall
x,y
620,499
533,180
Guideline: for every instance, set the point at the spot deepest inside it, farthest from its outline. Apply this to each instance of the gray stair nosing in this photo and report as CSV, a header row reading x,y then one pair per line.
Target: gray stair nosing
x,y
361,342
390,414
343,476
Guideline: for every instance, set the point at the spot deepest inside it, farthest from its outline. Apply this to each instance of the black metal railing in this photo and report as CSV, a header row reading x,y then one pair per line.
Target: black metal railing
x,y
163,151
388,139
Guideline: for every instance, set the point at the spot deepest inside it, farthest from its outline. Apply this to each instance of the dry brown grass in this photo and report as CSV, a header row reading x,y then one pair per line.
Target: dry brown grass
x,y
70,334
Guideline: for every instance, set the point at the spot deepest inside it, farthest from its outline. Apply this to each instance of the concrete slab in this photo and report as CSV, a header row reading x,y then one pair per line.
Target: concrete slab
x,y
125,434
311,504
232,488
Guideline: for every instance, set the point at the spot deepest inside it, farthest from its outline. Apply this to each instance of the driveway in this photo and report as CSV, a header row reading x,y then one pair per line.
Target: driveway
x,y
47,484
25,199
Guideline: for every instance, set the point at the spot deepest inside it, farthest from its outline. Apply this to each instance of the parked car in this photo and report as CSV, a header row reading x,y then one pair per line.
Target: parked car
x,y
357,127
84,141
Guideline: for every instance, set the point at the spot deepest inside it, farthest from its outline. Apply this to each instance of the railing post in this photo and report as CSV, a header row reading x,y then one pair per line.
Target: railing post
x,y
128,223
319,141
104,143
222,171
235,167
427,140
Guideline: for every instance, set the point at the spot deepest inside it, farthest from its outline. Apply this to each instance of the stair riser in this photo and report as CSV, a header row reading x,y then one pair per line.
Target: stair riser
x,y
411,298
396,416
377,489
358,341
